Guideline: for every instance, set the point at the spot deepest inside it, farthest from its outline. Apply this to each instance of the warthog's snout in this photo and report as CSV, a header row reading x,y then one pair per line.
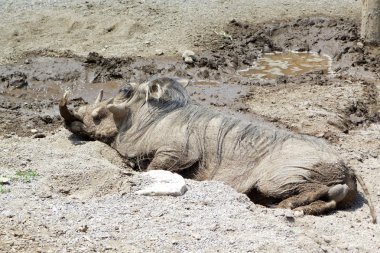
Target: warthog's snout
x,y
91,121
66,114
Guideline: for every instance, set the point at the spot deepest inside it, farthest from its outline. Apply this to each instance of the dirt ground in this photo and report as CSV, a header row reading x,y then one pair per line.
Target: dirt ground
x,y
70,195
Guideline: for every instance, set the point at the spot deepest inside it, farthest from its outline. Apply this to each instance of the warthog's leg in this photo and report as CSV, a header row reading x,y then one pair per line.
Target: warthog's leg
x,y
317,207
309,194
170,160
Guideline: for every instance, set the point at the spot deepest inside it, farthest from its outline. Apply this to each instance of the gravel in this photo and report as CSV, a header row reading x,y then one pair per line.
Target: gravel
x,y
84,199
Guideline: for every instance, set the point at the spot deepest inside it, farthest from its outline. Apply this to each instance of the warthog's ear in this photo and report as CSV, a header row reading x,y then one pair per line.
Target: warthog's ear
x,y
154,91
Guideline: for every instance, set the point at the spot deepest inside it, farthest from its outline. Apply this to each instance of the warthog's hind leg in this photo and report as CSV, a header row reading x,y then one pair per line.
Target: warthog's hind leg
x,y
308,195
317,207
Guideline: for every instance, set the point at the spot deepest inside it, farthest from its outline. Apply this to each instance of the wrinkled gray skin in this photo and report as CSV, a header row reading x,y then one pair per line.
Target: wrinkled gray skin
x,y
157,121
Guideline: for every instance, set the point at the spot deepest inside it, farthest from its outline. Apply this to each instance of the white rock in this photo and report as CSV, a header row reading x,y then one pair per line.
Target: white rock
x,y
289,215
188,56
164,183
4,180
159,52
188,53
188,60
298,214
360,44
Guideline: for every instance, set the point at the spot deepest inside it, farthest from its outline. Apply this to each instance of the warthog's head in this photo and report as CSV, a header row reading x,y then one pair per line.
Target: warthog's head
x,y
92,121
103,120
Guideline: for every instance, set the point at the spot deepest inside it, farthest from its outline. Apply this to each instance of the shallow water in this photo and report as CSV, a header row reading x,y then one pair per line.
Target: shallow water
x,y
273,65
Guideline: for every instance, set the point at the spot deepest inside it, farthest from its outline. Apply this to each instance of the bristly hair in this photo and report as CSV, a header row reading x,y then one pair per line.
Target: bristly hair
x,y
193,116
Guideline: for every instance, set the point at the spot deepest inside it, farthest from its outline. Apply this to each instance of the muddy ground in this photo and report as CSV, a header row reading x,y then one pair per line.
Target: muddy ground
x,y
82,198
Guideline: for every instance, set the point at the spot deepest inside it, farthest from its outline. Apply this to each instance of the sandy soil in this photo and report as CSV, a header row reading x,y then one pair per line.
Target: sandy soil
x,y
70,195
138,27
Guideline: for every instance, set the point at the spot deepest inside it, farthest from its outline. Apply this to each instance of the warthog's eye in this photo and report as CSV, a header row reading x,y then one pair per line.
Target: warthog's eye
x,y
127,92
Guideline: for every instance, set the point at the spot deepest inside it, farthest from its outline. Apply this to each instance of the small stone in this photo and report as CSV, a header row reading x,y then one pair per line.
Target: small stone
x,y
326,239
44,192
64,190
266,49
47,119
188,53
39,135
252,207
188,60
360,44
197,236
188,56
83,229
44,195
8,214
18,233
214,227
4,180
289,216
320,135
374,154
159,52
17,80
298,214
356,119
33,131
324,248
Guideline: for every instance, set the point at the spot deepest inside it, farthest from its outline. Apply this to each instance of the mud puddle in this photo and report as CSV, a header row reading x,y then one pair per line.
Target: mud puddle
x,y
54,90
291,63
223,97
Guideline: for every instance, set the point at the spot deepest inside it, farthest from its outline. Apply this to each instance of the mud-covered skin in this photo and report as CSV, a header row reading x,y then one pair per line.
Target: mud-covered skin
x,y
157,119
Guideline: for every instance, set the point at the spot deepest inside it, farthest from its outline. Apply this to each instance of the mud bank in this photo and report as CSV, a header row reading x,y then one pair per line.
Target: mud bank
x,y
134,27
36,83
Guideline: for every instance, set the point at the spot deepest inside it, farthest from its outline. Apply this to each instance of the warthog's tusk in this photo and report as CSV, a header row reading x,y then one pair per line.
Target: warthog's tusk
x,y
66,114
65,95
99,98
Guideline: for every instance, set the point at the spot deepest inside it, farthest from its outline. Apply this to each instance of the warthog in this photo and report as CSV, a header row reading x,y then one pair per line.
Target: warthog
x,y
156,121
